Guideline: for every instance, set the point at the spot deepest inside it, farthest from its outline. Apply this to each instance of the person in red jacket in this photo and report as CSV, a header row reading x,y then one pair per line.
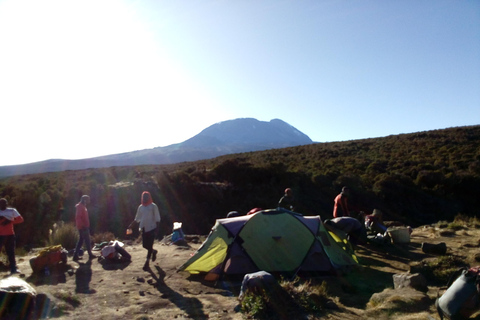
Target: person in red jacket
x,y
340,208
83,225
8,218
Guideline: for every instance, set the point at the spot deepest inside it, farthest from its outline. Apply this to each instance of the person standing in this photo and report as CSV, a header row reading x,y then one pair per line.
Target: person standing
x,y
340,208
83,226
148,218
8,218
287,201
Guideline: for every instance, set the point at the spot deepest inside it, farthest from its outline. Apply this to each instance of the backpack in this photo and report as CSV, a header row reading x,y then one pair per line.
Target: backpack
x,y
48,257
177,234
462,297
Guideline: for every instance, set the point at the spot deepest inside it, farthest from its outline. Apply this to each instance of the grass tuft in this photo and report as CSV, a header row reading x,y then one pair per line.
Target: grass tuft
x,y
66,235
288,301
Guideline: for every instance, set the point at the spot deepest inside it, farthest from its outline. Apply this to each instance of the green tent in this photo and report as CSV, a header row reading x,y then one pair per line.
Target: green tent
x,y
274,240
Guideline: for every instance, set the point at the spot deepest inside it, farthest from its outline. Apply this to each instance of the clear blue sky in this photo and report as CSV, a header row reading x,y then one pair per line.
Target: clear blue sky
x,y
87,78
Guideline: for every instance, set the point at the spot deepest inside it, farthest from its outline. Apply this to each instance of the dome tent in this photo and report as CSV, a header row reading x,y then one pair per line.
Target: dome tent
x,y
274,240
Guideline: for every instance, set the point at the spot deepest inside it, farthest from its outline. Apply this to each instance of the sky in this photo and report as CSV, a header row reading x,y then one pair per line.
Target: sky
x,y
87,78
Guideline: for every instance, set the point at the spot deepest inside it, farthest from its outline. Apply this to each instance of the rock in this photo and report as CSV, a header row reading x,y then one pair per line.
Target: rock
x,y
438,249
17,298
393,224
397,300
407,280
258,281
447,233
330,304
45,307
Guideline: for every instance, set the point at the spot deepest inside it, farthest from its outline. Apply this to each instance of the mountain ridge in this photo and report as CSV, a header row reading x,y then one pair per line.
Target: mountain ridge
x,y
226,137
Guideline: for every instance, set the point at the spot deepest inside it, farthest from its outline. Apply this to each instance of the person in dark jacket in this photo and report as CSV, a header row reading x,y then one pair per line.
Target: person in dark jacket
x,y
287,201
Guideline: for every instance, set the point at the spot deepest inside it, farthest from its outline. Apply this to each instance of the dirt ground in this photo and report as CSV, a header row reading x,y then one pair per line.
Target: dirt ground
x,y
94,290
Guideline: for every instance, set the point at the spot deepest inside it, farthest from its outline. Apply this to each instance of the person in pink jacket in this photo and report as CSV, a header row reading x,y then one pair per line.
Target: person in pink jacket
x,y
8,218
83,226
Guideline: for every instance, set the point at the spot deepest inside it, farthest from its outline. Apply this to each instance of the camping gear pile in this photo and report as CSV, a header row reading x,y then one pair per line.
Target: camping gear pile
x,y
48,258
273,240
177,237
112,251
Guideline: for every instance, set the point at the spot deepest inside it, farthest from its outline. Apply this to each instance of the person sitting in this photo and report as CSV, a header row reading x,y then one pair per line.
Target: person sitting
x,y
374,222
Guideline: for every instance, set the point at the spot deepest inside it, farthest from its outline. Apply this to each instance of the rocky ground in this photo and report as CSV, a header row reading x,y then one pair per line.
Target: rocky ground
x,y
95,290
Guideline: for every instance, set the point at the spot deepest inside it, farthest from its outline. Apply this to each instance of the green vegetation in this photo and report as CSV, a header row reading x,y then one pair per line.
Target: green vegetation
x,y
68,297
417,178
65,235
441,269
311,298
103,237
288,301
462,221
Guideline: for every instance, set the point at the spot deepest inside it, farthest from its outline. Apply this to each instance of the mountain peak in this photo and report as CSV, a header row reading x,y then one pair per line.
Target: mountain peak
x,y
249,131
226,137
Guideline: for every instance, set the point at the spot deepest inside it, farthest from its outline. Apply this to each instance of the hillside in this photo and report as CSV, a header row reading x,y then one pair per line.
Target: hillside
x,y
416,178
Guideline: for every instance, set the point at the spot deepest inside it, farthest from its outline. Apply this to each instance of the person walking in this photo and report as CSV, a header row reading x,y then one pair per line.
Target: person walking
x,y
148,218
340,208
82,222
8,218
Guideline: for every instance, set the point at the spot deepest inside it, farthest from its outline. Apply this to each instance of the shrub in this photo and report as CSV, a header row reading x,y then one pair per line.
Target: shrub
x,y
66,235
290,300
102,237
311,298
466,221
255,305
440,269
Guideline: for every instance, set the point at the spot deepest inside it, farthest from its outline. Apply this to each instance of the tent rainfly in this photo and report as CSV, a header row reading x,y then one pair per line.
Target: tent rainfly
x,y
273,240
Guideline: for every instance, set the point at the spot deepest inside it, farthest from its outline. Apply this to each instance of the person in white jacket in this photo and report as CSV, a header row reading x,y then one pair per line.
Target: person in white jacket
x,y
148,218
8,218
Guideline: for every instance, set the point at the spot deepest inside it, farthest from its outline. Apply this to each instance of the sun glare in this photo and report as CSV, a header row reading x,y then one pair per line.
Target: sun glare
x,y
96,58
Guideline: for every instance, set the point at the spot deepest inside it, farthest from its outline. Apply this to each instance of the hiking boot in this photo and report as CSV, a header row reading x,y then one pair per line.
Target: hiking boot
x,y
154,255
146,266
15,271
